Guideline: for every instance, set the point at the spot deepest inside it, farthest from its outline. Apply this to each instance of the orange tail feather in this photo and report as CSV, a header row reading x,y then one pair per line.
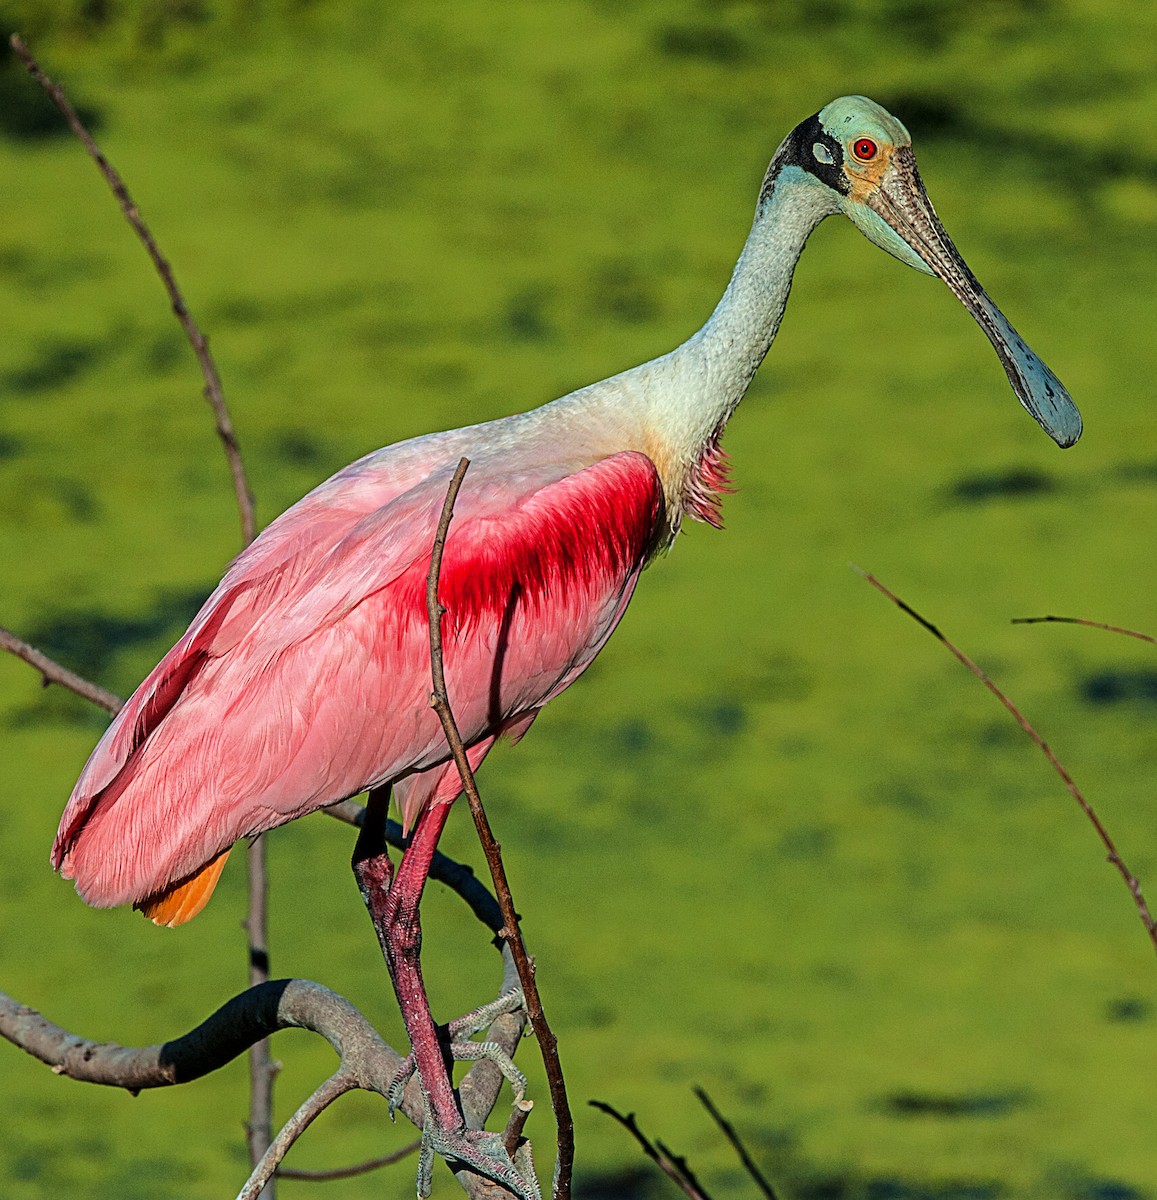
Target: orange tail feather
x,y
182,901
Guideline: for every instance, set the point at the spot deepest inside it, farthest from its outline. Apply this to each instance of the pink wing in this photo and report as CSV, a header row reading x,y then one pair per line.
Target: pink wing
x,y
306,676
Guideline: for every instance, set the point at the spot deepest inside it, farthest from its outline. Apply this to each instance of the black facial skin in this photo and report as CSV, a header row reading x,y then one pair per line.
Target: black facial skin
x,y
797,151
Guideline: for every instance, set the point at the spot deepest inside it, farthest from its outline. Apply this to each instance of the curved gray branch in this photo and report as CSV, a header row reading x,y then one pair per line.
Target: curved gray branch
x,y
229,1032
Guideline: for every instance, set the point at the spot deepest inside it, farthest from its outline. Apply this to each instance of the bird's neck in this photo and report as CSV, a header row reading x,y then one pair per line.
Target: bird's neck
x,y
696,388
723,356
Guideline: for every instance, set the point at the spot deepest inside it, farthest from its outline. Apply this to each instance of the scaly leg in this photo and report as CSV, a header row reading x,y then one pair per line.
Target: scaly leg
x,y
392,900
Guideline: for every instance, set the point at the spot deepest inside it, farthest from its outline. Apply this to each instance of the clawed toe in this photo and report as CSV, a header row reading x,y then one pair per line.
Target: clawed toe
x,y
462,1050
483,1151
476,1148
486,1015
397,1088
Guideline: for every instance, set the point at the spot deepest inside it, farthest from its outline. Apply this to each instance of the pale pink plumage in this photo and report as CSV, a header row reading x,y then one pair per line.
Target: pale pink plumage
x,y
305,678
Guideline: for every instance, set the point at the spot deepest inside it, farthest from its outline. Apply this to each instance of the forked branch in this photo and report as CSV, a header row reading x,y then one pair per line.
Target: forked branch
x,y
674,1166
366,1061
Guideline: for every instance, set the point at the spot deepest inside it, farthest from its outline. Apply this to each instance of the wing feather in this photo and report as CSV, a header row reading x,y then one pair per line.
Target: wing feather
x,y
306,676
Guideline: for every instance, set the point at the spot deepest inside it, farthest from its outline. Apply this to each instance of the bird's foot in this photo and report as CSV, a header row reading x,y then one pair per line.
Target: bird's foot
x,y
476,1148
462,1050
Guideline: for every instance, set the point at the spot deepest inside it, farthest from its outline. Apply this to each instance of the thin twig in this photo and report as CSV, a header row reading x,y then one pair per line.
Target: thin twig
x,y
212,390
672,1165
1112,855
740,1149
336,1085
362,1168
1133,633
262,1067
53,672
548,1043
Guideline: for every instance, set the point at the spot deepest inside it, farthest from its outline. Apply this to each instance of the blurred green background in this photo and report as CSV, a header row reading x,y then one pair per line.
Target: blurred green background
x,y
777,843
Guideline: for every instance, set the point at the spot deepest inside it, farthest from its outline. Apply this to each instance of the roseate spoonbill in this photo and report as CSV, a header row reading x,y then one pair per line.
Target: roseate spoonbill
x,y
305,678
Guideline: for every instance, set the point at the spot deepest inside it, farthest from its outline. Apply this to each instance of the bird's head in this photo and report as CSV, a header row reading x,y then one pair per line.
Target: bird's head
x,y
863,155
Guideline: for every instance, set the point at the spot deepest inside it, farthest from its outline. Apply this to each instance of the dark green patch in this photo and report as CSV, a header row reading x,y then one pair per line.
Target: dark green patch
x,y
926,115
298,448
947,1106
636,1182
26,112
806,842
780,678
835,1187
76,498
89,642
1073,1184
619,290
1124,685
706,40
1013,484
526,316
632,739
56,363
907,797
927,25
239,310
725,718
166,351
42,270
1138,472
1128,1009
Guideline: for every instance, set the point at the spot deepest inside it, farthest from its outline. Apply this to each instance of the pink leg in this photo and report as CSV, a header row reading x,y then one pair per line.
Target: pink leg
x,y
392,900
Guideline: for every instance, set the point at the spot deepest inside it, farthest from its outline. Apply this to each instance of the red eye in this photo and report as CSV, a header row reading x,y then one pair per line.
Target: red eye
x,y
864,149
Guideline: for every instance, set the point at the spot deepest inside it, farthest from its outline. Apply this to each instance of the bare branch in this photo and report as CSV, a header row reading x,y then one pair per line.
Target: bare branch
x,y
52,672
349,812
212,389
672,1165
1112,855
1133,633
362,1168
262,1068
367,1062
740,1149
440,702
